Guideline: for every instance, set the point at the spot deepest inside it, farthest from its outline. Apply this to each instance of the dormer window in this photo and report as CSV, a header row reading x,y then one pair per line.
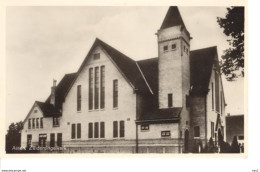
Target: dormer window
x,y
97,56
56,122
173,46
165,48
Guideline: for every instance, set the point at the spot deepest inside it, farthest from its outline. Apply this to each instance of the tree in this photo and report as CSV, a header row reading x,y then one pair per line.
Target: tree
x,y
13,136
235,148
232,63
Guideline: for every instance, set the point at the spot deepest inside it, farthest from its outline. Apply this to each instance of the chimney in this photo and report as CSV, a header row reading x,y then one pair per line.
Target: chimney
x,y
53,93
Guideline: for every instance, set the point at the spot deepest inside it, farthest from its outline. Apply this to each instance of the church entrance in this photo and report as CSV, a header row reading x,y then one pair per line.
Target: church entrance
x,y
186,141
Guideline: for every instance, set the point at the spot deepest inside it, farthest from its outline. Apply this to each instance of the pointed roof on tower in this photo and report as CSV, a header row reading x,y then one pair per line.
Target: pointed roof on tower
x,y
172,18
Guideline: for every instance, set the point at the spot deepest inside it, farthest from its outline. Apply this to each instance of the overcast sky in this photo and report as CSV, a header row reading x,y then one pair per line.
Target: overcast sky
x,y
45,43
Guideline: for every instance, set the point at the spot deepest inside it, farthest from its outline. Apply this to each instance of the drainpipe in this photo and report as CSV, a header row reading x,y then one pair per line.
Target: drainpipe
x,y
136,140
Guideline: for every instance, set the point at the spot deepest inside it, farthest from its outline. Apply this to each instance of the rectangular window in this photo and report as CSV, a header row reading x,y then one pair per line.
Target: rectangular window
x,y
96,130
90,130
37,122
165,133
42,140
115,129
33,123
165,48
73,131
79,98
102,130
212,92
122,128
96,87
144,127
91,82
169,100
212,130
29,123
173,46
55,122
52,142
78,131
197,131
59,139
41,122
102,96
115,93
29,140
97,56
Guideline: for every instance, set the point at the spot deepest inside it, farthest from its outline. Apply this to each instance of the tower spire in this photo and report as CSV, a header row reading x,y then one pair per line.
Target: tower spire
x,y
172,18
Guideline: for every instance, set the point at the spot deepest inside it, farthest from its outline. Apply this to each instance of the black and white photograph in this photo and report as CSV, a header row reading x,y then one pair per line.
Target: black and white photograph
x,y
125,80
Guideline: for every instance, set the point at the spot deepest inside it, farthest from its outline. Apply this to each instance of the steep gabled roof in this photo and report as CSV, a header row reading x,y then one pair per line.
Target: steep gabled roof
x,y
149,68
48,109
201,63
62,89
172,18
126,66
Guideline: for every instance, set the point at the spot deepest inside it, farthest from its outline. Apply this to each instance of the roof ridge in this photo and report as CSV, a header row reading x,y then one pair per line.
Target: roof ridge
x,y
204,48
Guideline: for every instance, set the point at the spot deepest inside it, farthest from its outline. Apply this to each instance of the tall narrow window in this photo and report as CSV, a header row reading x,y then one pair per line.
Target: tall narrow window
x,y
33,123
197,131
78,131
52,142
102,130
90,130
79,98
96,130
37,122
169,100
29,123
91,82
122,128
73,131
59,139
102,96
96,87
115,129
115,93
41,122
212,92
29,140
212,129
55,122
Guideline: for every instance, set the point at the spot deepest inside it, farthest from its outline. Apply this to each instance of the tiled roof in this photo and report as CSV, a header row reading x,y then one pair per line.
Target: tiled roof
x,y
201,63
161,114
172,18
149,68
126,65
62,89
48,109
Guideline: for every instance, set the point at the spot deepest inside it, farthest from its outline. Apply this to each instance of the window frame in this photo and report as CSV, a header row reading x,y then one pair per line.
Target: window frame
x,y
197,131
115,93
165,133
170,100
79,98
91,89
145,127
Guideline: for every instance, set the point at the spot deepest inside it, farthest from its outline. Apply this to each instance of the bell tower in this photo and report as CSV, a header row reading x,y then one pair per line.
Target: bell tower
x,y
174,63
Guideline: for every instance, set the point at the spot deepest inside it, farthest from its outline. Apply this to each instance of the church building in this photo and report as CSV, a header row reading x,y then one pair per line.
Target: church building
x,y
173,103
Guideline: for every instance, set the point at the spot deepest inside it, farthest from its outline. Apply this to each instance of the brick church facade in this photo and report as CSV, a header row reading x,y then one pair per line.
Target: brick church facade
x,y
113,104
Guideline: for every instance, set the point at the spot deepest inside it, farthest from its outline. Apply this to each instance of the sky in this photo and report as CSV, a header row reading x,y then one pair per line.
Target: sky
x,y
45,43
